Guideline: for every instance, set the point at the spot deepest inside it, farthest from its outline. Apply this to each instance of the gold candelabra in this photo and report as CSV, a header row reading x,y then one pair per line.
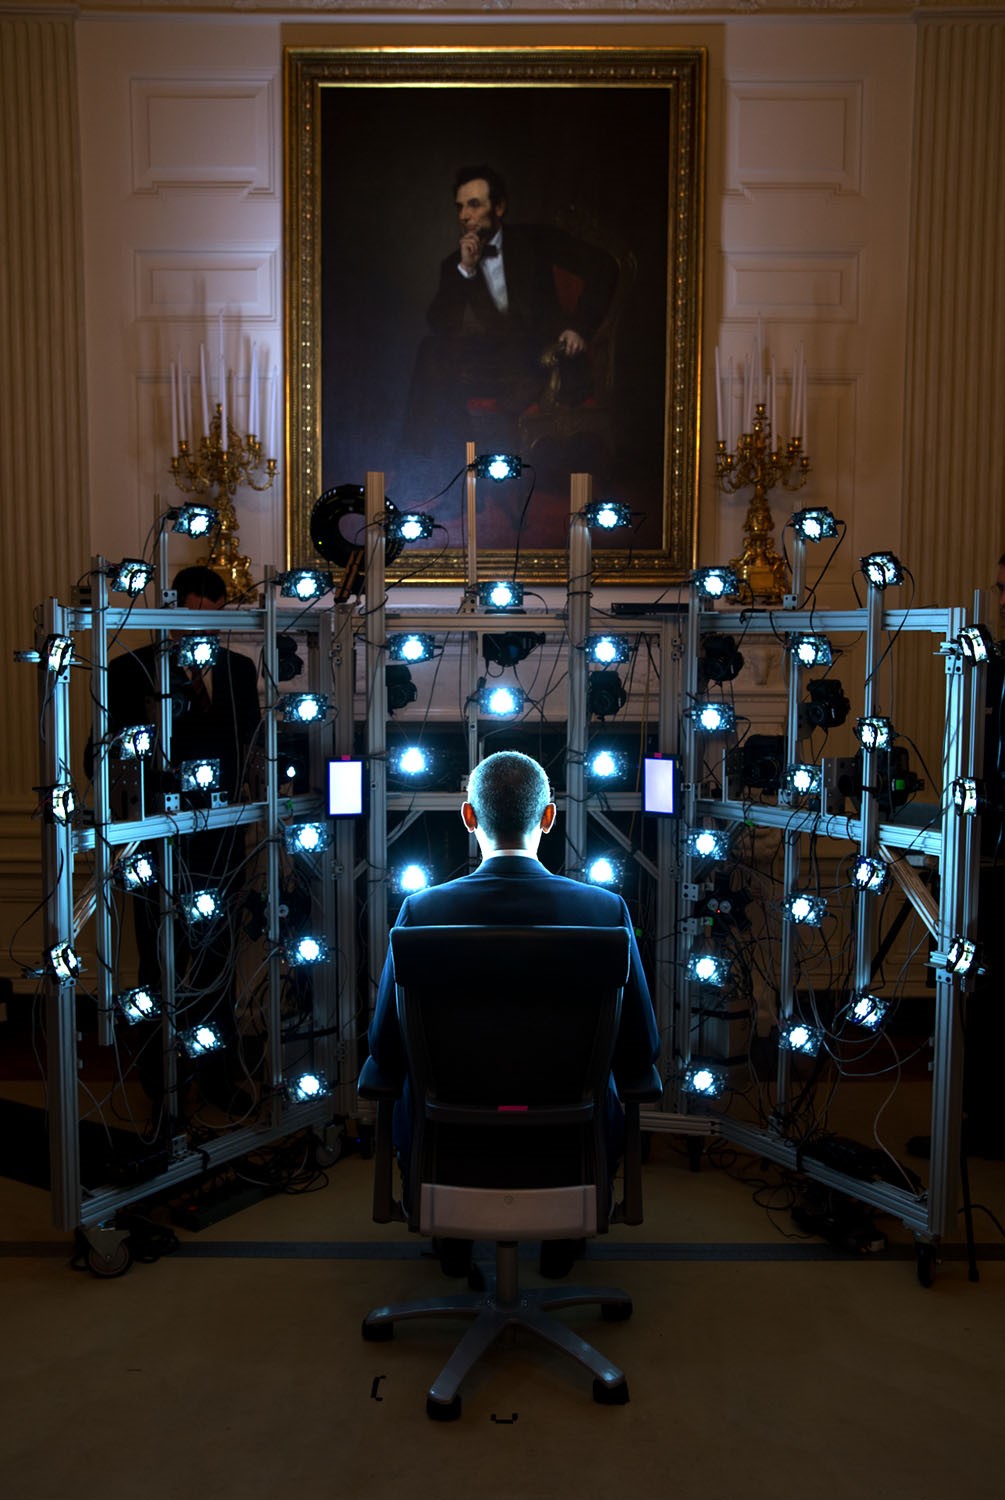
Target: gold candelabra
x,y
217,470
756,462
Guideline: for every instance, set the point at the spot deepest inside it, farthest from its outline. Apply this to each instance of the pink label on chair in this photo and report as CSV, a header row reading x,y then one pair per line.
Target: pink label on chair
x,y
512,1108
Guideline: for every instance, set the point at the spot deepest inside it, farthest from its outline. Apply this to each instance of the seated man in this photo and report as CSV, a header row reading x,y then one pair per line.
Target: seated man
x,y
508,808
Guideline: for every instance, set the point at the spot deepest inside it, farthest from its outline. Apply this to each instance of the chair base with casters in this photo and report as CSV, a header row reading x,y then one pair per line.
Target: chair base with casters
x,y
568,1213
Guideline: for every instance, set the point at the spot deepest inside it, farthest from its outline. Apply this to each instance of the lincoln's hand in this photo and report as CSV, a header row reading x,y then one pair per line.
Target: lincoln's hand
x,y
470,251
571,343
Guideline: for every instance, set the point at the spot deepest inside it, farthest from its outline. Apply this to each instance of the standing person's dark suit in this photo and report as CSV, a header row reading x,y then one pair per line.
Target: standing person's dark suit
x,y
497,311
508,810
218,718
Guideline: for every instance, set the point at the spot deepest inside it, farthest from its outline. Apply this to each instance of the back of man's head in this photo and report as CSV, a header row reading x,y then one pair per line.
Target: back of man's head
x,y
509,793
202,582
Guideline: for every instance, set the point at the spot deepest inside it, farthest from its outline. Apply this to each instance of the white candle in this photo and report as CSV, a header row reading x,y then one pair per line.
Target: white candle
x,y
759,362
806,441
253,393
180,386
223,392
774,403
720,434
174,412
273,407
205,390
730,443
188,409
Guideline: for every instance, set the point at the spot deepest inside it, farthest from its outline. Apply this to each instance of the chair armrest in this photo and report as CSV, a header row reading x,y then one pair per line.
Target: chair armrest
x,y
373,1084
642,1090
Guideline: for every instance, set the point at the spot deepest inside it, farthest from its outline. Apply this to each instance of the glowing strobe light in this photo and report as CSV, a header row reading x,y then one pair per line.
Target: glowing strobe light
x,y
130,576
501,593
871,875
604,871
868,1011
713,718
134,742
874,733
199,1040
305,584
195,520
709,968
882,569
715,583
201,906
137,1005
412,647
708,1082
199,775
811,650
814,524
498,466
412,761
606,649
307,1087
707,843
410,526
63,962
607,765
135,870
803,779
804,909
197,651
411,878
501,701
796,1036
303,708
306,837
306,950
608,514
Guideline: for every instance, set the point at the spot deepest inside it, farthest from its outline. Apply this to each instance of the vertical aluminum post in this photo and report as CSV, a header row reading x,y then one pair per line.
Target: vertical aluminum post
x,y
60,998
668,831
342,660
957,917
376,733
578,616
270,662
103,941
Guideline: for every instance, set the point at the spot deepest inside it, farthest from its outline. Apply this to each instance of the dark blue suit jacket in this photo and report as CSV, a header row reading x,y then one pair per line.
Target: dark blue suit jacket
x,y
514,891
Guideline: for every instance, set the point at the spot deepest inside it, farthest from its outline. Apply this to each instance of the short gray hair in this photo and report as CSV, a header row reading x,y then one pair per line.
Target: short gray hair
x,y
509,793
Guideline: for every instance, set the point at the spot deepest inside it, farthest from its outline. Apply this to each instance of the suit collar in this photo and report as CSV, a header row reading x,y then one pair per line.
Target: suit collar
x,y
510,864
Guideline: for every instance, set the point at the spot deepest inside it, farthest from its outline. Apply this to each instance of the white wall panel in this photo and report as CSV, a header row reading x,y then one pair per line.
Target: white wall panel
x,y
795,288
202,133
794,135
200,284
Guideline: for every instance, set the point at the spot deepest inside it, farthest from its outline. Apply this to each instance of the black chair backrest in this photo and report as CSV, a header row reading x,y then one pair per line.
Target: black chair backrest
x,y
503,1025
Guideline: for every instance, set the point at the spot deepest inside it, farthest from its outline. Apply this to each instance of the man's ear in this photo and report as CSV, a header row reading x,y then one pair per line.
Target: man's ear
x,y
548,818
469,817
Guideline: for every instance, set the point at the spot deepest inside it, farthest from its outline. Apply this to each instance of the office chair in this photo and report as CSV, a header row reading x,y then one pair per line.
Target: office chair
x,y
509,1035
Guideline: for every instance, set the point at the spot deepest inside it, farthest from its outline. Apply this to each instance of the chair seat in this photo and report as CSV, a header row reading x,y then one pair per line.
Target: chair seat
x,y
565,1213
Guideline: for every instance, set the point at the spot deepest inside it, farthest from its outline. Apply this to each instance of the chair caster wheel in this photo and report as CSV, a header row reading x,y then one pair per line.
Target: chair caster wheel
x,y
377,1333
610,1395
443,1411
616,1312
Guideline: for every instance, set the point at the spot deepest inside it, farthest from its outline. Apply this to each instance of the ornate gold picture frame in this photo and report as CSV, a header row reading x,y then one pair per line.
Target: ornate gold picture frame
x,y
596,148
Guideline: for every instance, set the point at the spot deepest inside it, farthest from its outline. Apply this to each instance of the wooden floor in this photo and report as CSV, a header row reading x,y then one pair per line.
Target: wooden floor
x,y
760,1364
